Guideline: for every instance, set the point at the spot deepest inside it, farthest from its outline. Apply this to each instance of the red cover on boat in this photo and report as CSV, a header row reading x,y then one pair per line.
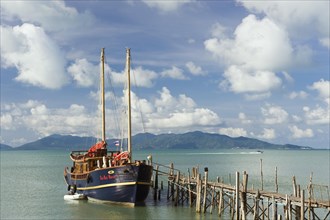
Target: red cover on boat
x,y
95,147
122,155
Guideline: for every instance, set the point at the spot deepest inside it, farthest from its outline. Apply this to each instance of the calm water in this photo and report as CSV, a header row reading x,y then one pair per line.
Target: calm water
x,y
32,184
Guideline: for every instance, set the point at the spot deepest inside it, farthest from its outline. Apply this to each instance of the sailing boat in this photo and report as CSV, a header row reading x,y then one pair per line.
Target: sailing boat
x,y
109,176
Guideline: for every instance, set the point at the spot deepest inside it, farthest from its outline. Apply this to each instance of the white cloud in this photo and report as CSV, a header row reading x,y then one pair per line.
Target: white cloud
x,y
300,94
34,54
195,70
218,31
166,6
177,113
325,42
323,88
84,73
160,114
51,15
259,48
287,76
167,103
6,121
300,133
257,45
139,76
296,118
87,74
301,19
174,73
242,117
37,117
274,114
233,132
144,77
318,115
30,46
257,96
242,81
267,133
191,41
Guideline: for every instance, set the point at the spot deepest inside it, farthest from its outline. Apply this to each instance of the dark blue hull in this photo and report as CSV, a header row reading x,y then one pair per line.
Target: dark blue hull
x,y
123,184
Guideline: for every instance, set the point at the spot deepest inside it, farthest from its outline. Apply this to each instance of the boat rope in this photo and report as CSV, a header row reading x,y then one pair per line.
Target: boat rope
x,y
138,104
114,101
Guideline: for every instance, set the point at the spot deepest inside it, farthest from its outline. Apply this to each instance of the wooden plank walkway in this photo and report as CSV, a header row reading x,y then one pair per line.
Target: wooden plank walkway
x,y
238,201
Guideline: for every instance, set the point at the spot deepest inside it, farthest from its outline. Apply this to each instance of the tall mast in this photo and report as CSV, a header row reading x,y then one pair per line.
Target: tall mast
x,y
102,95
129,128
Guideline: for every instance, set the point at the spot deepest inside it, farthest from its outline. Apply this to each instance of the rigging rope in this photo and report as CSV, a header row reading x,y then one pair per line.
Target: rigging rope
x,y
137,101
115,103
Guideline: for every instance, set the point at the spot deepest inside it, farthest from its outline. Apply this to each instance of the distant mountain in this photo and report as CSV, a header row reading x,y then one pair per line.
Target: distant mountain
x,y
5,147
56,142
190,140
201,140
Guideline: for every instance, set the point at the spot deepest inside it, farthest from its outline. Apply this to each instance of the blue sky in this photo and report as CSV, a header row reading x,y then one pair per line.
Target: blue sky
x,y
257,69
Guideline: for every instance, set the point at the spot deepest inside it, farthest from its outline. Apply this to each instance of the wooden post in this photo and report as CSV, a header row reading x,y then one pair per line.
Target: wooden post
x,y
171,169
274,205
177,181
302,208
261,176
198,191
212,199
285,207
243,207
289,209
237,196
182,193
156,183
205,189
295,194
268,208
243,196
294,184
232,206
220,202
168,189
197,181
276,183
173,180
256,206
262,188
189,190
310,196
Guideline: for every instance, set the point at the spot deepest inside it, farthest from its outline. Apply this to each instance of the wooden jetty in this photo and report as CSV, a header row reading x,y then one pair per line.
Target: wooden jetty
x,y
239,201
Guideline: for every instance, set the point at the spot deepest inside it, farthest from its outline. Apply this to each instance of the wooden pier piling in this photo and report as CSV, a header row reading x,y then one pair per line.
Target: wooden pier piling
x,y
239,201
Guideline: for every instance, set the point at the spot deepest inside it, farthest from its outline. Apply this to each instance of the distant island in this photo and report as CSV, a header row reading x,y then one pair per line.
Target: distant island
x,y
190,140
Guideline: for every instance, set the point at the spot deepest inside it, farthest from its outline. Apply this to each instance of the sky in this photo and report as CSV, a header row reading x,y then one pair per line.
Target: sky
x,y
258,69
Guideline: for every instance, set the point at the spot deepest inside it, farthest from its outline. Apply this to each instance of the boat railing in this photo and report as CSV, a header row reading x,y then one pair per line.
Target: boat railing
x,y
80,155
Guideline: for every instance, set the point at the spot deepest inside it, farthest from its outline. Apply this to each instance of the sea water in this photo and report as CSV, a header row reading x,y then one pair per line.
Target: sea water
x,y
32,183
